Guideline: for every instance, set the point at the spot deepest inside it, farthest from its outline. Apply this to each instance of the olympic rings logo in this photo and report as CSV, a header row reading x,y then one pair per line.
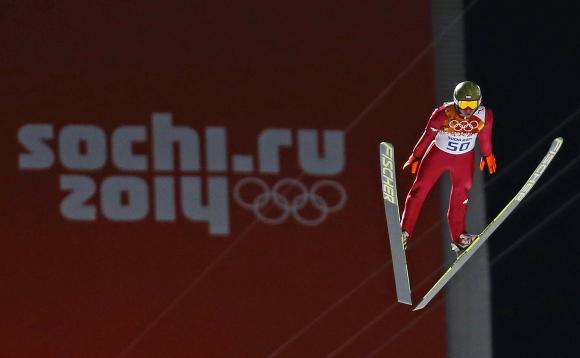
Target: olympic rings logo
x,y
463,125
289,205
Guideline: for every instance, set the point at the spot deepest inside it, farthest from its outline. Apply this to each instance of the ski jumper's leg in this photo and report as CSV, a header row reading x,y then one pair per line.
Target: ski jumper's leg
x,y
434,163
461,180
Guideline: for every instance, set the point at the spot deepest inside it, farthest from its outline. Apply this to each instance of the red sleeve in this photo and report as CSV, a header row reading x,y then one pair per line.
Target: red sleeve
x,y
435,123
485,135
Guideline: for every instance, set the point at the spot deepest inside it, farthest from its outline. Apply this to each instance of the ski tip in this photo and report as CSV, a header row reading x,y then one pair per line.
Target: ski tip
x,y
557,143
421,305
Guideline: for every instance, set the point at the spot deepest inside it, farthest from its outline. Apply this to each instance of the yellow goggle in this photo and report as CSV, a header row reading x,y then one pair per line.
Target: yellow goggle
x,y
467,104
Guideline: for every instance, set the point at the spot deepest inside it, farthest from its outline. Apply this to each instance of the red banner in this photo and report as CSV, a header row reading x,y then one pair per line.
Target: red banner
x,y
202,180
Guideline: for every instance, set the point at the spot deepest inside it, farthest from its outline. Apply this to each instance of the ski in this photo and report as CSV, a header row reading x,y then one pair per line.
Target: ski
x,y
486,233
389,186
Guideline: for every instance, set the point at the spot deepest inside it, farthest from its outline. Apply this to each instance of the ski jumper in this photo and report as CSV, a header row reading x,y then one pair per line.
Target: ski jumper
x,y
447,145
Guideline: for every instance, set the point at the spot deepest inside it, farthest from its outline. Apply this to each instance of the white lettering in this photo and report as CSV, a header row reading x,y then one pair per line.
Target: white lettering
x,y
331,162
74,206
93,153
32,137
122,148
215,212
165,135
165,147
124,198
164,198
215,149
269,143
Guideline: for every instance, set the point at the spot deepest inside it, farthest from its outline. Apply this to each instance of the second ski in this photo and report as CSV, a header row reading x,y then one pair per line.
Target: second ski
x,y
486,233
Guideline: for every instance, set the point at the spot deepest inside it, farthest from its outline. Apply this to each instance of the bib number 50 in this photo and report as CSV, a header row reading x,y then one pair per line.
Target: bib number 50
x,y
457,147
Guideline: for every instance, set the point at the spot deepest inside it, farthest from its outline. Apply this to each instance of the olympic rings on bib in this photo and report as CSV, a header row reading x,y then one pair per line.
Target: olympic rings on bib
x,y
466,126
288,204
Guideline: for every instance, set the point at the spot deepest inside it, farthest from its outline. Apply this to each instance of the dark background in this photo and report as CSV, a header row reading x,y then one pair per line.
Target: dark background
x,y
526,58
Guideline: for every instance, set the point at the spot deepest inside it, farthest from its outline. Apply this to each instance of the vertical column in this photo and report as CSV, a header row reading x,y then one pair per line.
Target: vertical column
x,y
467,302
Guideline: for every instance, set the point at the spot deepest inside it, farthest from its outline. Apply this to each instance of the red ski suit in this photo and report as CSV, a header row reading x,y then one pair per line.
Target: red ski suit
x,y
447,144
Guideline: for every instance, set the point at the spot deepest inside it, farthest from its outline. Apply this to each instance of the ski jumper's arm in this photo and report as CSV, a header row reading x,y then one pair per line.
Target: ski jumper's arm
x,y
484,136
435,123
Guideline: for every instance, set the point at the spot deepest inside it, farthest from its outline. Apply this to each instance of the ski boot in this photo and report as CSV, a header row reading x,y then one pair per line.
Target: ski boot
x,y
405,238
465,240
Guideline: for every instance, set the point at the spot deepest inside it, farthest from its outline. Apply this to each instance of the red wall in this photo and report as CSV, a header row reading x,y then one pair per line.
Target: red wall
x,y
163,285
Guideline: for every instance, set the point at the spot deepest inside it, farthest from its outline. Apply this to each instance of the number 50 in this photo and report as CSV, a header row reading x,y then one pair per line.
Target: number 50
x,y
453,146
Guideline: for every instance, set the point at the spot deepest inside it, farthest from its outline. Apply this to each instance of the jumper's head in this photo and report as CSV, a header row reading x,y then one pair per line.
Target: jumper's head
x,y
467,97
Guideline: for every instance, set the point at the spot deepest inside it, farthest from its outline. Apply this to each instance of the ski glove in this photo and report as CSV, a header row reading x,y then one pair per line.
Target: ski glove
x,y
413,162
490,162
